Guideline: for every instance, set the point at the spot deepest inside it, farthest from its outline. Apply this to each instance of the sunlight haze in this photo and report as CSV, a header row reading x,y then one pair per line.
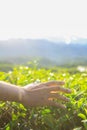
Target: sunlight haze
x,y
43,19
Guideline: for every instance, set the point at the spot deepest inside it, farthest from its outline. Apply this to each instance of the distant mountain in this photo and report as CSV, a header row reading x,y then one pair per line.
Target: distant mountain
x,y
49,52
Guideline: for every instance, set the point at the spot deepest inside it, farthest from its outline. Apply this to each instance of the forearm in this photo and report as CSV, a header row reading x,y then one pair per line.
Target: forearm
x,y
9,92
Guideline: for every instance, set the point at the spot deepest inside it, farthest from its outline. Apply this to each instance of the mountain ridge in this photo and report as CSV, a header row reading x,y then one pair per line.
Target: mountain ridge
x,y
59,53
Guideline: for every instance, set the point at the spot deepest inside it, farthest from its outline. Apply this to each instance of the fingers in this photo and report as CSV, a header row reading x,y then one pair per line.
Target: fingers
x,y
42,85
54,83
52,103
59,97
49,84
54,89
65,90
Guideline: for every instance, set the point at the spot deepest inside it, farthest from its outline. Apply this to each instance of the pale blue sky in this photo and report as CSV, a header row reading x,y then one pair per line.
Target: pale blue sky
x,y
43,19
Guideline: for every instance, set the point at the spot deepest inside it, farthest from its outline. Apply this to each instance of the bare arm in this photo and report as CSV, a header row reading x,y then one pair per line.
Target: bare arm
x,y
42,94
10,92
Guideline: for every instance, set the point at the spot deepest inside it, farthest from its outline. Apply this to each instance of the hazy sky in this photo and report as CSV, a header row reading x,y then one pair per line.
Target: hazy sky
x,y
43,19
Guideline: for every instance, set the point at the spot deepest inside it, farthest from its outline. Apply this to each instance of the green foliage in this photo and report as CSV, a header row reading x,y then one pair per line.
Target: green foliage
x,y
4,66
16,116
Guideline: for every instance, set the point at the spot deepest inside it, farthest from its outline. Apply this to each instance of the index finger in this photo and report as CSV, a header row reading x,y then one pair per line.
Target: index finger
x,y
62,89
54,83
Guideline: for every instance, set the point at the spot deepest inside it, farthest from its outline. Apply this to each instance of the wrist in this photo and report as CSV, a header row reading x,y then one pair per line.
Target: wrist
x,y
21,94
25,97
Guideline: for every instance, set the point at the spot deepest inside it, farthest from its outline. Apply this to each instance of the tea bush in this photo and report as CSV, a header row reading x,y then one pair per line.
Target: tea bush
x,y
14,116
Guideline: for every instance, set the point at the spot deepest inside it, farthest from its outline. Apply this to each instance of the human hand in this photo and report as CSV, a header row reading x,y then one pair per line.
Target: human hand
x,y
45,94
